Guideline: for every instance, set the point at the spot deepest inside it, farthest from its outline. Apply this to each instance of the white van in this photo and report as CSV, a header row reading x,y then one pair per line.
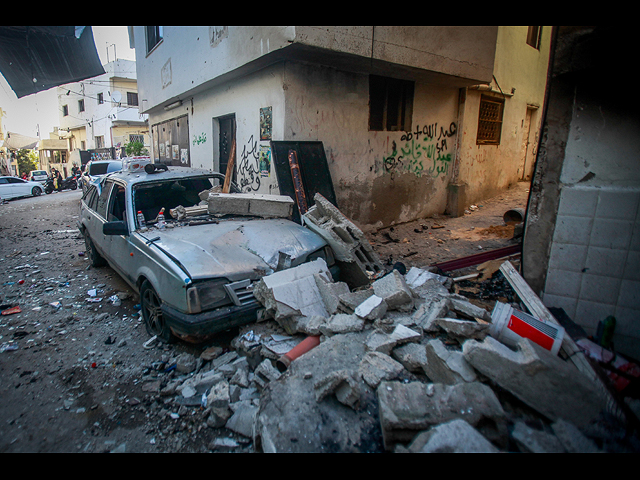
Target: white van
x,y
38,176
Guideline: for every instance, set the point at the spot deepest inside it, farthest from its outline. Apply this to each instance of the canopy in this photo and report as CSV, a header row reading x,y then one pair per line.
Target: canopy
x,y
37,58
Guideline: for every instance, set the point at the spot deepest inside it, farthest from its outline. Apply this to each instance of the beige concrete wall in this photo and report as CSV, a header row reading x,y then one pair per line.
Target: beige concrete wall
x,y
520,78
380,177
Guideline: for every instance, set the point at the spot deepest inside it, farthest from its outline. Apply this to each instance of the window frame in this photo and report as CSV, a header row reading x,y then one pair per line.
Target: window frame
x,y
382,104
65,110
81,105
534,36
154,37
484,123
100,98
132,99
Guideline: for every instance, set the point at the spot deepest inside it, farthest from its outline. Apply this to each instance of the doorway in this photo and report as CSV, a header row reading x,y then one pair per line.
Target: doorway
x,y
226,134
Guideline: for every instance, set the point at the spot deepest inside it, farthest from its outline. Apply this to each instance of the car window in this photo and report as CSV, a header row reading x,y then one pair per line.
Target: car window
x,y
101,208
90,197
98,168
3,181
117,206
151,197
114,167
15,180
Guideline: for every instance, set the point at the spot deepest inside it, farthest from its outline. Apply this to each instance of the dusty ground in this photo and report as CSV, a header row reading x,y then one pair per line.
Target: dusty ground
x,y
438,239
73,374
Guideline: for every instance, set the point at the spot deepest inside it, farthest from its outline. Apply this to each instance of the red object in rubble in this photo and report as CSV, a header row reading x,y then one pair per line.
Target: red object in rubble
x,y
11,310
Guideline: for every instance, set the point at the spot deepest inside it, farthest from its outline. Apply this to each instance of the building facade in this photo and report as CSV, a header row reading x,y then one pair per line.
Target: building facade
x,y
396,108
102,113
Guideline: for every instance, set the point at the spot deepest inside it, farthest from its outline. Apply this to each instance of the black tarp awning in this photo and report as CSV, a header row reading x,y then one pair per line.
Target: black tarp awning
x,y
37,58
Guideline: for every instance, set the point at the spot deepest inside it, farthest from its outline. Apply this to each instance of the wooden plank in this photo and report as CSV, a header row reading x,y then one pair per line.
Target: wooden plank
x,y
230,166
478,258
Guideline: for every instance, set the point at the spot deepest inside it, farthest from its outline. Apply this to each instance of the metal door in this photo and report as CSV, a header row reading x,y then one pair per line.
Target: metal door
x,y
227,134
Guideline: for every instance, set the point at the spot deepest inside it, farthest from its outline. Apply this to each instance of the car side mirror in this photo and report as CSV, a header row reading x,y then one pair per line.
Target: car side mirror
x,y
115,228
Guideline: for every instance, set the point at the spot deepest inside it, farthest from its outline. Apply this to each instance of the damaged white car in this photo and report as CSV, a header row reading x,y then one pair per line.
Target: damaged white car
x,y
195,269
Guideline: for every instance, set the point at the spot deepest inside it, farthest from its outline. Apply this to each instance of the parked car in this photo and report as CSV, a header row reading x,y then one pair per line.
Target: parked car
x,y
195,276
14,187
95,169
38,176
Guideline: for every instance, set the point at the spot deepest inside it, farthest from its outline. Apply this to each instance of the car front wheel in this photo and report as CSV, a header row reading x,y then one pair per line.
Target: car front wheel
x,y
36,191
150,305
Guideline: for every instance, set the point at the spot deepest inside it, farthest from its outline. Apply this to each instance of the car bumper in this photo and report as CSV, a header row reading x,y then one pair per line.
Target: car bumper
x,y
205,324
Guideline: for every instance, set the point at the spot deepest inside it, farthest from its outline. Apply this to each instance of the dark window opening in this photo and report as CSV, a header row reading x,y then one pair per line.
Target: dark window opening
x,y
132,99
533,37
80,105
390,104
154,36
490,120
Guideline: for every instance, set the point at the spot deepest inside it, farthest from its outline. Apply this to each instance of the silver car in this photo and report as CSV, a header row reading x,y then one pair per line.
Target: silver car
x,y
195,276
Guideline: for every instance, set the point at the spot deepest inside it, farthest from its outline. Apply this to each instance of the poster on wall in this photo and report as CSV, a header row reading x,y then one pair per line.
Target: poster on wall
x,y
175,152
161,147
265,161
167,150
184,156
265,123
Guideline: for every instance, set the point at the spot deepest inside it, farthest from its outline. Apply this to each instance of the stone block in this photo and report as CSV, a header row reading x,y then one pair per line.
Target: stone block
x,y
447,366
462,330
276,206
408,408
427,313
545,382
343,383
376,367
456,436
330,292
383,342
393,289
341,323
243,420
372,308
412,356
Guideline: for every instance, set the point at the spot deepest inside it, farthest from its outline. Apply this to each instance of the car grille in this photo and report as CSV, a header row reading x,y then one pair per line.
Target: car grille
x,y
241,292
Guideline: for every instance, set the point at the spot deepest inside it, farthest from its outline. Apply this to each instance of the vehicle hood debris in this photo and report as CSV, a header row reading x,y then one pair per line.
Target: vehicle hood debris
x,y
231,248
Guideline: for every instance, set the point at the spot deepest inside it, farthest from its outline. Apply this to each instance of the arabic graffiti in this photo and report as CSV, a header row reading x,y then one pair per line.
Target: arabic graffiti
x,y
202,138
249,167
426,156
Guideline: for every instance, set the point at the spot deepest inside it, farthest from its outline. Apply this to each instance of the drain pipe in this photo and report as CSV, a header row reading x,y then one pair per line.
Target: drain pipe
x,y
303,347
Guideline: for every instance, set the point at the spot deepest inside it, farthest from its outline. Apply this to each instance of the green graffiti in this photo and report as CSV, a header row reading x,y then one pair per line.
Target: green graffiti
x,y
197,140
431,150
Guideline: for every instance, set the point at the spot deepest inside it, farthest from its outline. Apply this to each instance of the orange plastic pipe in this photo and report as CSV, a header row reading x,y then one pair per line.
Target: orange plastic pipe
x,y
303,347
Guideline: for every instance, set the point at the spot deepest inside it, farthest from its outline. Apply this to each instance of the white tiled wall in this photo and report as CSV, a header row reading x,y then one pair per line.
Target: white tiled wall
x,y
594,264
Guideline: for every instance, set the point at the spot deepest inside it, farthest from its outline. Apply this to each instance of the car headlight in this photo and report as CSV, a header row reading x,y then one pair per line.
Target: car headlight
x,y
206,295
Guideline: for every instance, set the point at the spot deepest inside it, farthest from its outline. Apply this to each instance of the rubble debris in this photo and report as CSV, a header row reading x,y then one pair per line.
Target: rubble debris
x,y
262,205
393,289
541,380
456,436
352,250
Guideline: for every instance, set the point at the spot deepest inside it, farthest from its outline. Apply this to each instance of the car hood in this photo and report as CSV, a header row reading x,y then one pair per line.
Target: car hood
x,y
236,249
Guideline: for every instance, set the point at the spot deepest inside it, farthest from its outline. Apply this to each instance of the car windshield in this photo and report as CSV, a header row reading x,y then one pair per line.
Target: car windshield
x,y
102,168
150,198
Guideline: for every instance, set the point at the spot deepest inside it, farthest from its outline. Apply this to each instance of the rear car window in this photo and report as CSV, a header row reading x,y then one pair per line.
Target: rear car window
x,y
98,168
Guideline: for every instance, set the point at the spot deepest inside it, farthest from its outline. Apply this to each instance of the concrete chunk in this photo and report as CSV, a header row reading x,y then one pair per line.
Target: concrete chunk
x,y
372,308
270,206
541,380
408,408
456,436
447,366
376,367
393,289
342,323
462,330
382,342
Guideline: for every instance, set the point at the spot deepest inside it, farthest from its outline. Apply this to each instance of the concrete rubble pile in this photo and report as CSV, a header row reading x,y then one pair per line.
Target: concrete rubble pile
x,y
399,364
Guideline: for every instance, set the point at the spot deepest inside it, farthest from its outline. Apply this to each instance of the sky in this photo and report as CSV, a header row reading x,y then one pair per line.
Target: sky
x,y
35,115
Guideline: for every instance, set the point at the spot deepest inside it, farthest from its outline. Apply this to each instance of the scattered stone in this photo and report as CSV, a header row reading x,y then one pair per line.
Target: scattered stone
x,y
531,440
372,308
456,436
382,342
572,439
342,323
447,366
543,381
376,367
462,330
393,289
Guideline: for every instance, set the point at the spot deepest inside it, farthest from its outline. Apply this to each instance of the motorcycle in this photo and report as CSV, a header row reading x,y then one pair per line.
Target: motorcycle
x,y
69,183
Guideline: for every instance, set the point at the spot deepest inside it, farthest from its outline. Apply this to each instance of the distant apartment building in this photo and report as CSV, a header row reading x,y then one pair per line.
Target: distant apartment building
x,y
100,115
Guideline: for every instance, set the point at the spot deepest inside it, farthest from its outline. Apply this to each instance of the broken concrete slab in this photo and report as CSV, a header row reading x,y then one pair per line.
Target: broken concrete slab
x,y
447,366
243,419
463,306
327,426
412,356
293,291
456,436
427,314
357,259
341,323
408,408
572,439
262,205
376,367
330,292
531,440
372,308
393,289
462,330
350,301
545,382
383,342
417,277
343,383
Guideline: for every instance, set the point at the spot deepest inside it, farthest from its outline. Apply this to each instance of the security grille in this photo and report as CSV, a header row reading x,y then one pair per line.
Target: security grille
x,y
490,121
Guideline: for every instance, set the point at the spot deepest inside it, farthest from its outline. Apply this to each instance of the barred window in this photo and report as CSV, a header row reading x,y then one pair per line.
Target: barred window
x,y
136,138
490,120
